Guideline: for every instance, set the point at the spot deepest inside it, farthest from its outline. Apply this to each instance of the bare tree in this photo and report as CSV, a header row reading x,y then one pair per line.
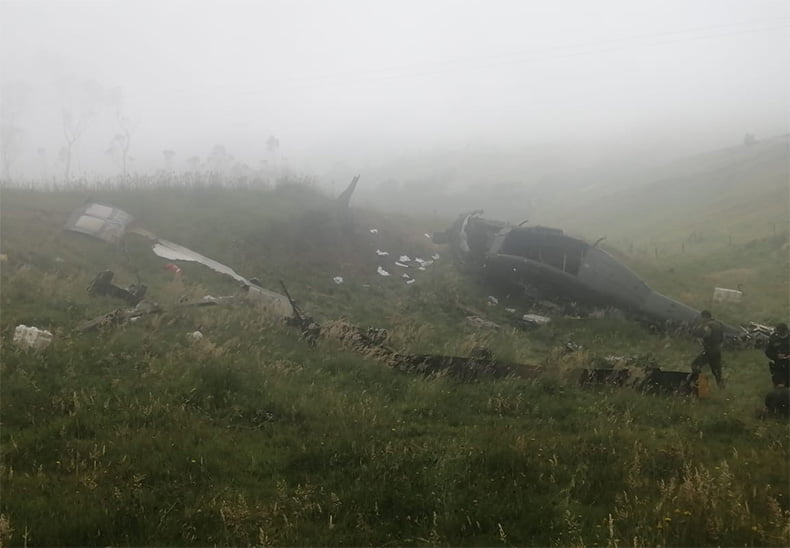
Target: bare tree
x,y
120,143
72,131
13,97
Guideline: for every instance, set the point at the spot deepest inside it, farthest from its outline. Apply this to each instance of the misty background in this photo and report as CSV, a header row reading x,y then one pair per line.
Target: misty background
x,y
422,98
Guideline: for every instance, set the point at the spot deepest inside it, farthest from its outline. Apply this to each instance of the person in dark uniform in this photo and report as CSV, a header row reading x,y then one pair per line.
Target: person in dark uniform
x,y
711,333
778,351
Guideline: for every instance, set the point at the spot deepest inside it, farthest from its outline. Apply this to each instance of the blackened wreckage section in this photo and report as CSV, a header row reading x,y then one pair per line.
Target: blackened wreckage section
x,y
551,263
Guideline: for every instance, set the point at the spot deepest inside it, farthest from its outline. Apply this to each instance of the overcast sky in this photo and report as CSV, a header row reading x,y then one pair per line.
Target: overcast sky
x,y
344,80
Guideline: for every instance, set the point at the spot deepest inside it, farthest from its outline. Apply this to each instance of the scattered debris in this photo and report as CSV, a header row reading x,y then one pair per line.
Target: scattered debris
x,y
400,264
405,276
32,337
381,253
195,335
535,319
427,235
435,256
492,300
510,310
369,343
722,295
338,280
755,334
404,259
411,281
382,272
479,323
374,230
571,346
110,224
650,380
102,285
100,221
120,316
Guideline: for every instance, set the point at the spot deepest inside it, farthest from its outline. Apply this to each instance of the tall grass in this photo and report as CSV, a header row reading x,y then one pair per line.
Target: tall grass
x,y
141,436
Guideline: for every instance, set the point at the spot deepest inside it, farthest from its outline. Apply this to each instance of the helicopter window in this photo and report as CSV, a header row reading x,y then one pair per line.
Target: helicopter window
x,y
548,247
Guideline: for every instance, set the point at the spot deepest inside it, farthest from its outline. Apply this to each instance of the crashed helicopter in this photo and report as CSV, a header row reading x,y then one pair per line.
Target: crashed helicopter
x,y
545,262
108,223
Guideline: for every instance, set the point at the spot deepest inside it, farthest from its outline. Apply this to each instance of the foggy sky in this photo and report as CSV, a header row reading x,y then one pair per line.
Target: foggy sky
x,y
364,81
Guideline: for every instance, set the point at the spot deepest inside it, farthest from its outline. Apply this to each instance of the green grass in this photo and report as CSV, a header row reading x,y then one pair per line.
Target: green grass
x,y
138,436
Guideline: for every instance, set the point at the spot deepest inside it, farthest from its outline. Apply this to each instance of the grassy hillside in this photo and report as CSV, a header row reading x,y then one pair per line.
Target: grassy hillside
x,y
140,436
739,193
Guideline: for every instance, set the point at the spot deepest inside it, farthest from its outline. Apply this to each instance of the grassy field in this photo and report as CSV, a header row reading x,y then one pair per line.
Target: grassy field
x,y
140,436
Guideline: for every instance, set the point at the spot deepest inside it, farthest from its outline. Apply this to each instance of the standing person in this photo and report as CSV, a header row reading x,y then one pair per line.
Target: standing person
x,y
711,333
778,351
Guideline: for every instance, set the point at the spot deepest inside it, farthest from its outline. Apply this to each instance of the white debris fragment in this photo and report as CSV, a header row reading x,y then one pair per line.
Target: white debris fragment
x,y
405,276
195,335
427,263
511,310
492,300
480,323
382,272
427,235
381,253
176,252
404,259
422,268
374,230
418,260
536,319
338,280
411,281
723,295
32,337
400,264
435,256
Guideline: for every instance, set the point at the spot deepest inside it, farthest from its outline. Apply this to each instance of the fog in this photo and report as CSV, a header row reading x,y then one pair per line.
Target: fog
x,y
330,88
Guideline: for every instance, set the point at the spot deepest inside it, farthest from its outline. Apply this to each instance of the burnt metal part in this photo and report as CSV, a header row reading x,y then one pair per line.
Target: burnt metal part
x,y
102,285
370,343
345,197
648,380
120,316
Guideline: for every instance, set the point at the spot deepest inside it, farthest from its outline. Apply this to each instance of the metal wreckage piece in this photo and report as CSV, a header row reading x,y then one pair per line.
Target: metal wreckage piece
x,y
541,261
102,285
371,343
110,224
